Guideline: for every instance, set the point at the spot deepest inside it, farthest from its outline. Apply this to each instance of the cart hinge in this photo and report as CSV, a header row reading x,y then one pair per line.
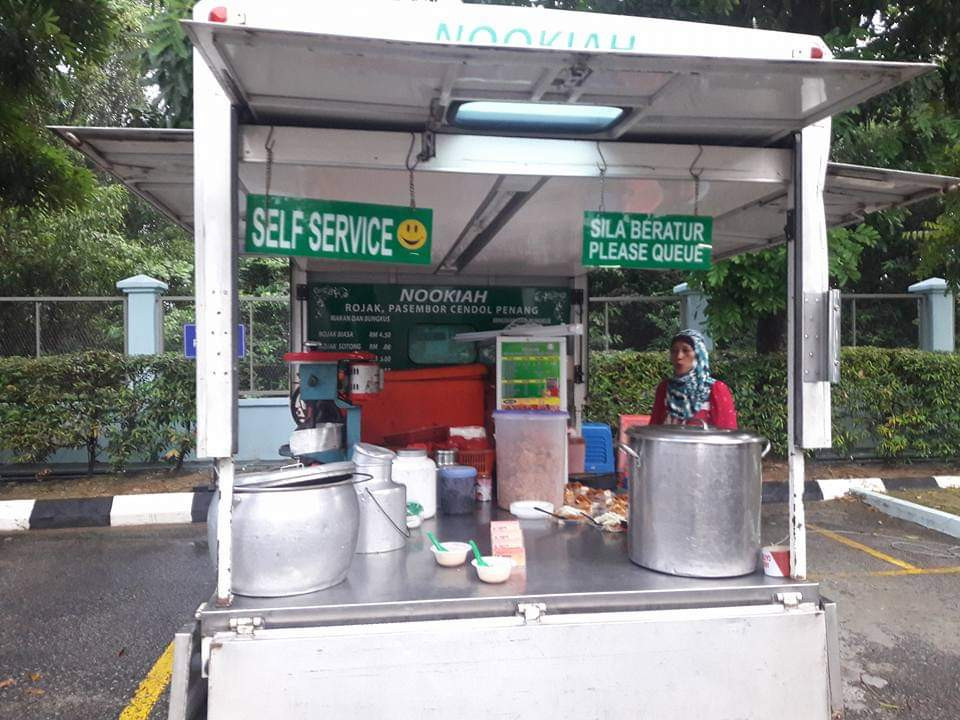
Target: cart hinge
x,y
790,600
790,227
428,145
245,626
531,612
576,297
302,293
578,374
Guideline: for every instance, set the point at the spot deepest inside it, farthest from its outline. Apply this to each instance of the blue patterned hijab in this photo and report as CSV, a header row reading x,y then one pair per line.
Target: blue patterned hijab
x,y
687,393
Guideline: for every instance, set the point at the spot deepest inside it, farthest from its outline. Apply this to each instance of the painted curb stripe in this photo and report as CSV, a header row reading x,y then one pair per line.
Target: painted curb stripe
x,y
947,481
83,512
837,488
151,688
779,492
152,508
910,483
943,522
201,501
15,514
862,548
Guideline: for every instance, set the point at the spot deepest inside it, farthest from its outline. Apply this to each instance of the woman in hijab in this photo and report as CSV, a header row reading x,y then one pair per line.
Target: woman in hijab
x,y
692,396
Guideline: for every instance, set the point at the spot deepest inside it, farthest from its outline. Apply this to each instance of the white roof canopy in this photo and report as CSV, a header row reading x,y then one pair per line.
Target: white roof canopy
x,y
337,78
499,210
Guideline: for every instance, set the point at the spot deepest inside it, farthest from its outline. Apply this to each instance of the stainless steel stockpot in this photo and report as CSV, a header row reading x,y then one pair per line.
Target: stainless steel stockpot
x,y
293,531
695,500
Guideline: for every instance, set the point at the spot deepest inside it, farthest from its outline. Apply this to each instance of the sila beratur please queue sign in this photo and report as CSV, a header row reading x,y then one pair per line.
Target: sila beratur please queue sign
x,y
332,229
639,240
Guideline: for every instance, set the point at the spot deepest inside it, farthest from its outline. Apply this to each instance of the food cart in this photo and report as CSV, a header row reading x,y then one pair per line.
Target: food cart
x,y
304,107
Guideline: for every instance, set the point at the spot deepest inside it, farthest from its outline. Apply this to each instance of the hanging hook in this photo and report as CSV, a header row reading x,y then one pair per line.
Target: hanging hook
x,y
696,181
411,165
268,146
602,167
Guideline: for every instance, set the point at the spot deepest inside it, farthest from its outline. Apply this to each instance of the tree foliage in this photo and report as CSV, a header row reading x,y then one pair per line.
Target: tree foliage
x,y
45,47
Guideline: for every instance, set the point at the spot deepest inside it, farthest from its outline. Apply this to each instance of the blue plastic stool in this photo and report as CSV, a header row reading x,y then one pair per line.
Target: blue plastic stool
x,y
598,457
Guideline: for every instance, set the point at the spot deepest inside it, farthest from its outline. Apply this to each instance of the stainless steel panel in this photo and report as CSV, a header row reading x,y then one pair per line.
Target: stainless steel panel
x,y
187,689
747,663
833,656
573,568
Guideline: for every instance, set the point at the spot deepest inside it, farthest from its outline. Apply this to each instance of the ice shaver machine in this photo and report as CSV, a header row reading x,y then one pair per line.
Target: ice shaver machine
x,y
325,403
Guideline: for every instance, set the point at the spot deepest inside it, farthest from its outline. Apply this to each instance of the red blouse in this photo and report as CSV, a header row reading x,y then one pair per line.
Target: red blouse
x,y
718,411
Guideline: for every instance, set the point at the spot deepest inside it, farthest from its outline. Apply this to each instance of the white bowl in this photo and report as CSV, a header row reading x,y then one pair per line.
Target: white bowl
x,y
527,509
455,555
497,569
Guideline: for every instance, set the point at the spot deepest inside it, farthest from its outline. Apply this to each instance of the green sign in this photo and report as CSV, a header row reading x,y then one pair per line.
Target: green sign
x,y
531,374
304,227
408,325
655,242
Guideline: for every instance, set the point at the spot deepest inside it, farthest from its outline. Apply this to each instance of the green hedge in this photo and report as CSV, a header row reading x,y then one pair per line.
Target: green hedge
x,y
127,408
891,403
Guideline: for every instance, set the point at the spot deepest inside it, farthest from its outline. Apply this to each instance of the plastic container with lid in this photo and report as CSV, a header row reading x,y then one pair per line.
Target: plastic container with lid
x,y
457,489
418,473
531,456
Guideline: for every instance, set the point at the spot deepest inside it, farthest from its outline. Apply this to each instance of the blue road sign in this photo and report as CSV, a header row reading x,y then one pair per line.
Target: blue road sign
x,y
190,340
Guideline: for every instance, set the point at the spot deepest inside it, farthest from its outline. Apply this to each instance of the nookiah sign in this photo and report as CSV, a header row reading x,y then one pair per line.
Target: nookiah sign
x,y
305,227
638,240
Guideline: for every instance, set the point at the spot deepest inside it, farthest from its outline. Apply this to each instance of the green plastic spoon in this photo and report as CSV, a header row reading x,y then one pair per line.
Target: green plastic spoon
x,y
436,543
477,555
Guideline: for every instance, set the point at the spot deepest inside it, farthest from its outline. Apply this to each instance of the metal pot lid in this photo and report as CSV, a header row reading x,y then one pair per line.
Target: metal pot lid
x,y
693,435
280,477
366,454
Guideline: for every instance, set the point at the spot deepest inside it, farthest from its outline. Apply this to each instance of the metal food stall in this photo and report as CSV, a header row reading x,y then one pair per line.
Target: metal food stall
x,y
371,103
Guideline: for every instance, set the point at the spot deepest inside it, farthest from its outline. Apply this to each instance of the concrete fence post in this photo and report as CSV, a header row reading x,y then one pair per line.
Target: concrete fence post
x,y
693,311
144,314
936,314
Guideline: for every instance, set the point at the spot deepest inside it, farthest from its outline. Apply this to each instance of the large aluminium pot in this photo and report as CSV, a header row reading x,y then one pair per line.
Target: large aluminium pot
x,y
695,500
293,531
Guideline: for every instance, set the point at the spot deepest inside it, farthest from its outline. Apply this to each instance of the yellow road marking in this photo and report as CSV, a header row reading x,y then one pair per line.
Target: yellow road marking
x,y
151,688
862,548
950,570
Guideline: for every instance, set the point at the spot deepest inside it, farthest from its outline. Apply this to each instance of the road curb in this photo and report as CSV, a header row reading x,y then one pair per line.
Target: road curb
x,y
114,511
191,507
928,517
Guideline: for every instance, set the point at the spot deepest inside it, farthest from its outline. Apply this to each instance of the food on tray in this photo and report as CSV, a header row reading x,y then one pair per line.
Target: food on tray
x,y
606,508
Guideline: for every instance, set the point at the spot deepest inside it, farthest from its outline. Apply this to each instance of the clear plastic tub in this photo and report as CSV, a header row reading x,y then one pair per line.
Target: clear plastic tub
x,y
531,456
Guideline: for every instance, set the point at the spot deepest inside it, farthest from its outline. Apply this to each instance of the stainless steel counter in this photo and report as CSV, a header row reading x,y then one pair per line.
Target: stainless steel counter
x,y
571,568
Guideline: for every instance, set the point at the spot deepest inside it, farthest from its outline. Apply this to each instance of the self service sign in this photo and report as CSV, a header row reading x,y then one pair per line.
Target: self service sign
x,y
331,229
654,242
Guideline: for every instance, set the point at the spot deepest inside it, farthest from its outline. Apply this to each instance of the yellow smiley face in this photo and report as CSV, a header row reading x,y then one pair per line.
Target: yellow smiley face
x,y
412,234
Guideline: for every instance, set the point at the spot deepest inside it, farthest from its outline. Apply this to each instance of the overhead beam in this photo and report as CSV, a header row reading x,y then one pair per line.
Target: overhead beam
x,y
511,156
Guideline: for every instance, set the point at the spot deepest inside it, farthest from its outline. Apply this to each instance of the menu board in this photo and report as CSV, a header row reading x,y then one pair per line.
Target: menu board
x,y
408,326
531,373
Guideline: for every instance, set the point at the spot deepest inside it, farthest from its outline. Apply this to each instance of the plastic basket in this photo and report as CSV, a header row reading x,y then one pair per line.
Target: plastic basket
x,y
482,460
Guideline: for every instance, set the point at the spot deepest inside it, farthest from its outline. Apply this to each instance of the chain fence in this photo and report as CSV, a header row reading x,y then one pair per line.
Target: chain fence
x,y
633,322
266,323
647,322
35,326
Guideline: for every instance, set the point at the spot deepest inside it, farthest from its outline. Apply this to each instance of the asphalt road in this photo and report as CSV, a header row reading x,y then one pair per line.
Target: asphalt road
x,y
88,612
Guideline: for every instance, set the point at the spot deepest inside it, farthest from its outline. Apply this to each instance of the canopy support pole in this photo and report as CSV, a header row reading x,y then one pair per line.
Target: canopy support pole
x,y
215,253
808,389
